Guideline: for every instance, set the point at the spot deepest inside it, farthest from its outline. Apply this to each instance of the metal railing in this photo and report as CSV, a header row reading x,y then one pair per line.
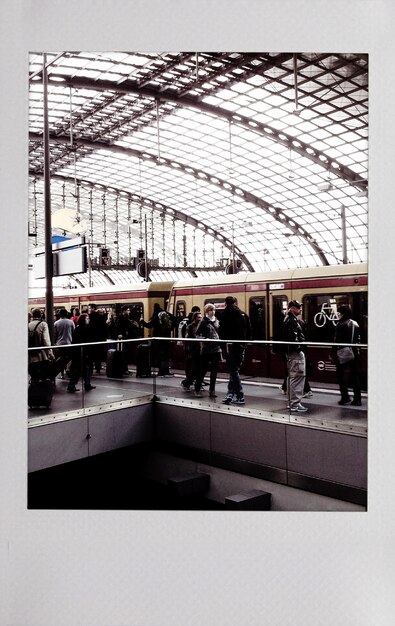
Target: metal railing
x,y
141,387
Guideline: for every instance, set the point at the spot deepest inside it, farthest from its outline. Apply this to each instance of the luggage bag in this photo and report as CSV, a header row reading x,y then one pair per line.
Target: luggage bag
x,y
115,367
40,393
41,370
143,364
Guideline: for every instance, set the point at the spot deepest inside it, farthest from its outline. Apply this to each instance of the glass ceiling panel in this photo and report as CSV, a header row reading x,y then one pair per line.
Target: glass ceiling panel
x,y
168,136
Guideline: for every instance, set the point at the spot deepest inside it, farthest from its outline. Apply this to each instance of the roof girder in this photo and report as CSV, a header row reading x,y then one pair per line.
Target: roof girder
x,y
317,156
198,174
162,208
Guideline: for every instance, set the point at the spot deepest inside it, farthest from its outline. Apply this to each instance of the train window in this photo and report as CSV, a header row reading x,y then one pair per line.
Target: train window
x,y
360,313
107,308
218,302
320,313
136,309
181,310
257,317
280,304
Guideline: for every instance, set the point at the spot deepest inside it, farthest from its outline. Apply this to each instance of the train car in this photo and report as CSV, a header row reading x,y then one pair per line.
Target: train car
x,y
265,296
140,298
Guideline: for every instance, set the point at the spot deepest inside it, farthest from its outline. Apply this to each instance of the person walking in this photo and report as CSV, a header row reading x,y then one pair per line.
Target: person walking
x,y
347,365
292,333
210,353
234,324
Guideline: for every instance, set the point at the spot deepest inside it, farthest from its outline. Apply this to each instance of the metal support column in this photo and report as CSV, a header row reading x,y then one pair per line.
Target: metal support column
x,y
47,208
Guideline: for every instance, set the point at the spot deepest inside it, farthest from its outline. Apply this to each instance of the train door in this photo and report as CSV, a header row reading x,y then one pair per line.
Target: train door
x,y
178,308
255,363
276,363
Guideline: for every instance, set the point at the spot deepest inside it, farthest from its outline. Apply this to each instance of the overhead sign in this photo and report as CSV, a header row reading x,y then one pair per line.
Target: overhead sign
x,y
69,257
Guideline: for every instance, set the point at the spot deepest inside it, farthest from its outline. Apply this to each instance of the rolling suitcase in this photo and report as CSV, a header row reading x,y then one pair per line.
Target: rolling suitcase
x,y
143,361
40,393
115,367
41,370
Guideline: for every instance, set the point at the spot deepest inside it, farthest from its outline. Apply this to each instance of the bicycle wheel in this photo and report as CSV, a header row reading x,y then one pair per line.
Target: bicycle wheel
x,y
319,319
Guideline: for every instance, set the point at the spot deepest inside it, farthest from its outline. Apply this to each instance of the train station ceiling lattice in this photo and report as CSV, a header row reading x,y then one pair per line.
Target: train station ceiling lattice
x,y
195,157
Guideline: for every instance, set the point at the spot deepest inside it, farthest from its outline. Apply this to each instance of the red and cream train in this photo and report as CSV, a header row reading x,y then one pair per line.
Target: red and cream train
x,y
263,296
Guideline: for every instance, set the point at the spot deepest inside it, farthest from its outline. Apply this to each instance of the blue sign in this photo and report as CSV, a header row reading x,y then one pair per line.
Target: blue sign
x,y
57,238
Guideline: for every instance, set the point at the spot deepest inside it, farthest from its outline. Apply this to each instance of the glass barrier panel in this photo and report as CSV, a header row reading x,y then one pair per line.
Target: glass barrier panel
x,y
266,379
84,376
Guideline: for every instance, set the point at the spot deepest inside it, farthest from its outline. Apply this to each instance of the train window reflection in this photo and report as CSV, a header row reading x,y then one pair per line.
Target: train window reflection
x,y
218,302
279,310
257,316
320,314
181,310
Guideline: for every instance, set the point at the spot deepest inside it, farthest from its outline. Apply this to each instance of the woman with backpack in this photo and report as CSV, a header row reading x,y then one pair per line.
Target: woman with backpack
x,y
38,335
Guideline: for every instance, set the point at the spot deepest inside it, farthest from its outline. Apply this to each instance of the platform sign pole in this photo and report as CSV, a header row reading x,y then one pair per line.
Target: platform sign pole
x,y
146,249
47,208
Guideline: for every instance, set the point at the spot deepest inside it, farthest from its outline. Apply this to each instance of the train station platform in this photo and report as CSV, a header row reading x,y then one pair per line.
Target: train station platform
x,y
311,461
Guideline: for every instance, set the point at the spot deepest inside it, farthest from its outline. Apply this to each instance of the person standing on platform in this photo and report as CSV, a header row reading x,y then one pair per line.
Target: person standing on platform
x,y
111,325
81,357
292,333
98,332
210,353
192,352
63,336
75,313
162,324
184,323
234,324
38,336
347,331
127,328
307,393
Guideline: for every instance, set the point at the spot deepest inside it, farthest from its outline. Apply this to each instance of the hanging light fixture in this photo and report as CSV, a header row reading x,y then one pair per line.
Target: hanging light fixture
x,y
67,219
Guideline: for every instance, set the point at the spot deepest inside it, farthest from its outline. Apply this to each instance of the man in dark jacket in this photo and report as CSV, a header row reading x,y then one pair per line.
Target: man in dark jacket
x,y
162,324
292,332
98,332
347,331
127,328
234,324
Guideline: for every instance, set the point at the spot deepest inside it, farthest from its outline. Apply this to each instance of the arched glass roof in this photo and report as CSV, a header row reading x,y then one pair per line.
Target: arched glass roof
x,y
199,158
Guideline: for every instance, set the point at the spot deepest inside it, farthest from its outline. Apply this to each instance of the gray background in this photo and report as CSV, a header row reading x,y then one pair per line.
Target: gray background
x,y
108,568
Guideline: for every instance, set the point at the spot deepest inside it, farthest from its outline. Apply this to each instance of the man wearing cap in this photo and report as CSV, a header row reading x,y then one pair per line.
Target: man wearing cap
x,y
292,332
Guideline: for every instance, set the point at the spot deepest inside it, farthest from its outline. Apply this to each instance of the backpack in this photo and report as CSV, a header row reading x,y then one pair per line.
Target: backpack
x,y
33,337
164,320
246,326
